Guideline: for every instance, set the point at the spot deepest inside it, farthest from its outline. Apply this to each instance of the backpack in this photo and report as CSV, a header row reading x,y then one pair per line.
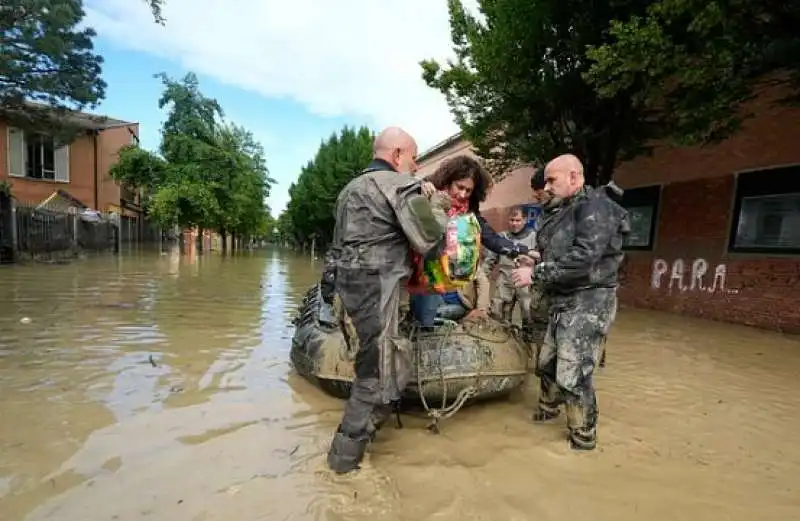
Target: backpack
x,y
456,263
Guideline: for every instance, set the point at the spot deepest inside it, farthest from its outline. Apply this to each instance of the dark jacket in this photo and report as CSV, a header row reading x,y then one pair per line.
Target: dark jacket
x,y
581,243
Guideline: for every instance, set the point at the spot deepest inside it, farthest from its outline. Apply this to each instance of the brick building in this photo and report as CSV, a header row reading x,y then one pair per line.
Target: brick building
x,y
716,230
37,168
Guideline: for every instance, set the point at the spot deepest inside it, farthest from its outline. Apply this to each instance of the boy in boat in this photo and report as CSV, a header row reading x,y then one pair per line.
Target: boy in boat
x,y
506,294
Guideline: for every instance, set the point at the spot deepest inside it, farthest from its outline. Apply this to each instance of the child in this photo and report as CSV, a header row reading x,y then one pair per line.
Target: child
x,y
506,295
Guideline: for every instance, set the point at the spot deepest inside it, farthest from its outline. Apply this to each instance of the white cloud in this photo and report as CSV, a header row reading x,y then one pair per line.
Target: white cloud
x,y
355,58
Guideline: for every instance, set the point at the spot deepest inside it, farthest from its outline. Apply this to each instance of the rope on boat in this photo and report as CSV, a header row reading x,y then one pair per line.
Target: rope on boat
x,y
444,412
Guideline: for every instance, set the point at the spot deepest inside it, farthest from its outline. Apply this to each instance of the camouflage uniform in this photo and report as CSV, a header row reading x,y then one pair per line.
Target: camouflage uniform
x,y
581,245
506,295
380,216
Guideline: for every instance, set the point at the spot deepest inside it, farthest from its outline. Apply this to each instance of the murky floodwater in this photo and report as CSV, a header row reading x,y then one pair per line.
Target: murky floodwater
x,y
158,387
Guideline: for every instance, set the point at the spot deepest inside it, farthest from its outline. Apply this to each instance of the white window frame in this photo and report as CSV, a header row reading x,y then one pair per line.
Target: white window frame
x,y
61,159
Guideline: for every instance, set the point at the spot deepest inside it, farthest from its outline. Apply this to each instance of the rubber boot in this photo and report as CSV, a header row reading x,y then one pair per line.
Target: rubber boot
x,y
346,453
582,425
542,415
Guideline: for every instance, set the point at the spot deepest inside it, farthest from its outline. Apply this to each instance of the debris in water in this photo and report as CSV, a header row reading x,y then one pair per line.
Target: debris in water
x,y
152,362
25,320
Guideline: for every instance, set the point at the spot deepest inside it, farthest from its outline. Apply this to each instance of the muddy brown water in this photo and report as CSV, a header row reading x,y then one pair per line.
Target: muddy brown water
x,y
158,387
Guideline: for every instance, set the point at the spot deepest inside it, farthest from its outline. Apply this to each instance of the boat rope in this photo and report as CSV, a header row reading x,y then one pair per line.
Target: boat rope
x,y
445,411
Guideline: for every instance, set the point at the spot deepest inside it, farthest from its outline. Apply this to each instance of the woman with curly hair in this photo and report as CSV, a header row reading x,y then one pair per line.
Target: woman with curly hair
x,y
467,183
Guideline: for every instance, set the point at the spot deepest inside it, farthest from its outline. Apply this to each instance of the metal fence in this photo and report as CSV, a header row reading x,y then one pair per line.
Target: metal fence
x,y
6,229
34,230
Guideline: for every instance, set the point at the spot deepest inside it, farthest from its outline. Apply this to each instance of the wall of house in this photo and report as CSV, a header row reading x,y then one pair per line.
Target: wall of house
x,y
81,169
33,191
429,164
109,143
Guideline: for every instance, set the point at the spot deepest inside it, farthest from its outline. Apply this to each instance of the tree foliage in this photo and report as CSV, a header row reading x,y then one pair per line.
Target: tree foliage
x,y
517,87
209,174
696,63
606,79
309,214
46,58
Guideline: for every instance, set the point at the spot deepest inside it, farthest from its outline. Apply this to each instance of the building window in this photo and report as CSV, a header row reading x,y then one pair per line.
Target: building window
x,y
766,213
36,156
642,206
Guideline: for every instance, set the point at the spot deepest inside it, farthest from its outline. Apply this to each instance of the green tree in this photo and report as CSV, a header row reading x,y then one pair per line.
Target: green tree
x,y
209,174
517,89
694,64
309,213
243,184
47,58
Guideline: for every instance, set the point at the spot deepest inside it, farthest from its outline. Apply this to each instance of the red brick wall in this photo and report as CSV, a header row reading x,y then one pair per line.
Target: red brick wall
x,y
694,223
81,183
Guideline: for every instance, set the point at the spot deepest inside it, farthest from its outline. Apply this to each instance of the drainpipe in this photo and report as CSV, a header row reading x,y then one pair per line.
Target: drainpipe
x,y
95,133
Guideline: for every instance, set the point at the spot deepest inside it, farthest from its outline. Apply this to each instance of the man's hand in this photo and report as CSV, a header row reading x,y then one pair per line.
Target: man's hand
x,y
529,259
428,189
522,276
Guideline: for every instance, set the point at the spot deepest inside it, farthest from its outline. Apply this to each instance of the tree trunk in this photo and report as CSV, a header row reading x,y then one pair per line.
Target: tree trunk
x,y
223,236
199,240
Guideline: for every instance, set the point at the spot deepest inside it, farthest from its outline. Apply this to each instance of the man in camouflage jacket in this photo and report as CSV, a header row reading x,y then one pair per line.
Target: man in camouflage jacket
x,y
580,243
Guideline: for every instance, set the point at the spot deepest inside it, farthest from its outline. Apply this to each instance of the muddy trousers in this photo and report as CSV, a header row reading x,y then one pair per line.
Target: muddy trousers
x,y
506,297
382,364
578,325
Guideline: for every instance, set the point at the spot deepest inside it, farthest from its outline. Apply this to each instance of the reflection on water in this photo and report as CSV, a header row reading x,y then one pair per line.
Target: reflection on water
x,y
158,386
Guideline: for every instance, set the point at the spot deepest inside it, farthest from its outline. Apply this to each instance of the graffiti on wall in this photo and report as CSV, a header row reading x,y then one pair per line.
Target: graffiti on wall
x,y
682,277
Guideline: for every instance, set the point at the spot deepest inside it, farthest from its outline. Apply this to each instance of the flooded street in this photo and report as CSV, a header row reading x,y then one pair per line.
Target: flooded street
x,y
158,387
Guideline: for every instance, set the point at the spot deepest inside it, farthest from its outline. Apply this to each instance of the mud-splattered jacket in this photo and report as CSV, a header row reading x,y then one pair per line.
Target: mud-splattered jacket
x,y
581,244
380,215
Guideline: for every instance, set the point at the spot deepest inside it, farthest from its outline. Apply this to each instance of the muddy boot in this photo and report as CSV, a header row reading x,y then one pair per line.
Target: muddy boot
x,y
582,425
582,441
346,452
361,414
545,413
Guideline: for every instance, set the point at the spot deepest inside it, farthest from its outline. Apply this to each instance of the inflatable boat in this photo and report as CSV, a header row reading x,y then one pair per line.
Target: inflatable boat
x,y
454,363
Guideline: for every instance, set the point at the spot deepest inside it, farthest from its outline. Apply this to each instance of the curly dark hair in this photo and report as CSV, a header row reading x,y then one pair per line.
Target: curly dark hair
x,y
463,167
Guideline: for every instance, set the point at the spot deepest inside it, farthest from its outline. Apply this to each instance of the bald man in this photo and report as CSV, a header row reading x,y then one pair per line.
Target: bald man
x,y
580,242
380,216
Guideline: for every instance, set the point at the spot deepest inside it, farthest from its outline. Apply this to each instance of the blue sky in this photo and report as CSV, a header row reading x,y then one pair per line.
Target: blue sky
x,y
288,132
291,73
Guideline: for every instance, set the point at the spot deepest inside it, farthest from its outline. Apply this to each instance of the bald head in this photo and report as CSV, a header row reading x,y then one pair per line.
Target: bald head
x,y
564,176
396,146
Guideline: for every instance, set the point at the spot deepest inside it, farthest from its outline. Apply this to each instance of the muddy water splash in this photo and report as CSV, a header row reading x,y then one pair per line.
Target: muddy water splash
x,y
157,387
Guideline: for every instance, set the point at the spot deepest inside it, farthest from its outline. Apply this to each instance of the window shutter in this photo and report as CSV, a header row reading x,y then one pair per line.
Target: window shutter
x,y
62,163
16,152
